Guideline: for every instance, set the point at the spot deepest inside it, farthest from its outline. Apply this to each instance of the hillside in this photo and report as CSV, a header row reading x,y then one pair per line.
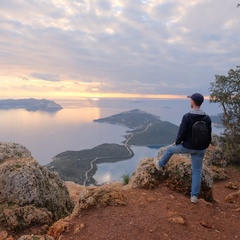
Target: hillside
x,y
155,134
80,166
132,119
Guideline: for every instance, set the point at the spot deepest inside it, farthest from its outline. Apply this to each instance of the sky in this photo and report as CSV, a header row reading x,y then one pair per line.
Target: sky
x,y
115,48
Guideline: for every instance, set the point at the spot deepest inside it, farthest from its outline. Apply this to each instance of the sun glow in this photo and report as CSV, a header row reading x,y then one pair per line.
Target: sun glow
x,y
75,95
25,88
97,96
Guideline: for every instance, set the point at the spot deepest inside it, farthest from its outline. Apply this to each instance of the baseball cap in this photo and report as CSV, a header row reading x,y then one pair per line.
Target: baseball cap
x,y
197,97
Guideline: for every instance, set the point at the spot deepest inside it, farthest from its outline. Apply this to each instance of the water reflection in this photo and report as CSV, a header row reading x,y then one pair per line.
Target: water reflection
x,y
108,172
47,134
80,115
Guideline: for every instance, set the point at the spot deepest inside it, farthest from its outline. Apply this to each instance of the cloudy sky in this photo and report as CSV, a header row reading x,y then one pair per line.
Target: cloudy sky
x,y
94,48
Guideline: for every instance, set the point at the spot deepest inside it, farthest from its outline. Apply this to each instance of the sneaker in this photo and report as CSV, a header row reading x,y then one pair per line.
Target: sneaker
x,y
156,164
194,199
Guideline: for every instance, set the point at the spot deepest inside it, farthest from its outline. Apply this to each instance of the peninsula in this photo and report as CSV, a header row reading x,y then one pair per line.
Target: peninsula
x,y
80,166
145,130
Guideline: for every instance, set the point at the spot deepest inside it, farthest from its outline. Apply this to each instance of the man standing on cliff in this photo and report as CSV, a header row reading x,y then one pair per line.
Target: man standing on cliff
x,y
184,143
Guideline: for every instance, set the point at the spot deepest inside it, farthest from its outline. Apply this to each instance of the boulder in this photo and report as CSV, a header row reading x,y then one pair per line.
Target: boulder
x,y
13,150
177,175
106,195
30,194
218,173
146,175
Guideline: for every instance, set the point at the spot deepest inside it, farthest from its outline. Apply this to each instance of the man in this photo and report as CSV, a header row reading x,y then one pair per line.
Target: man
x,y
184,145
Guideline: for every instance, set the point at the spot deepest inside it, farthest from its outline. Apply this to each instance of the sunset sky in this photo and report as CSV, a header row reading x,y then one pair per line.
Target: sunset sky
x,y
115,48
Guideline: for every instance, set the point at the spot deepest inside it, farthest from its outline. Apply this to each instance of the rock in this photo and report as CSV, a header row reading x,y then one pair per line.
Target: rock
x,y
101,196
36,237
233,197
145,175
176,218
232,185
10,150
218,173
176,175
58,228
179,171
78,228
29,192
21,217
3,235
206,224
214,156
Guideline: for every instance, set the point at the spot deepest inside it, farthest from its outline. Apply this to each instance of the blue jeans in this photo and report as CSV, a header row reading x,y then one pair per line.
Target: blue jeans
x,y
197,162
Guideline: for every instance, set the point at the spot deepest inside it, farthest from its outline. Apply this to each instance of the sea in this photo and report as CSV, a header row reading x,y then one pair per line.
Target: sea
x,y
46,134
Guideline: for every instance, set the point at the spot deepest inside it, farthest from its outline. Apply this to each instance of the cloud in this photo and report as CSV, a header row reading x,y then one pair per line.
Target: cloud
x,y
46,77
147,47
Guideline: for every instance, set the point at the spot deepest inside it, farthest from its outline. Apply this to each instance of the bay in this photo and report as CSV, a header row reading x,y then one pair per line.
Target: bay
x,y
72,128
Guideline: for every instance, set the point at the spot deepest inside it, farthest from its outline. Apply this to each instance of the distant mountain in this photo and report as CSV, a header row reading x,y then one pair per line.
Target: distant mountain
x,y
30,104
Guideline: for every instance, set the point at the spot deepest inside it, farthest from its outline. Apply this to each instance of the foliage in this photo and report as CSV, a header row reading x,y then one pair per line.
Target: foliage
x,y
125,178
226,91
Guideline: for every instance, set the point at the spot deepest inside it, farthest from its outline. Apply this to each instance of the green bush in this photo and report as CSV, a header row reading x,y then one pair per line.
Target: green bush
x,y
125,178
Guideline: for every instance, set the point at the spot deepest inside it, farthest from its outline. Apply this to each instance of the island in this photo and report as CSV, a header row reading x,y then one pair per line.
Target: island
x,y
30,104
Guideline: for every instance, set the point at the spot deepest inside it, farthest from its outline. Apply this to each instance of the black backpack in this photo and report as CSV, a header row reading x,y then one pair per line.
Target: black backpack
x,y
200,134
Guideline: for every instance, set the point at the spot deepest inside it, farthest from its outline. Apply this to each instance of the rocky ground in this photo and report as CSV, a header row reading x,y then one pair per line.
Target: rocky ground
x,y
160,214
163,214
145,208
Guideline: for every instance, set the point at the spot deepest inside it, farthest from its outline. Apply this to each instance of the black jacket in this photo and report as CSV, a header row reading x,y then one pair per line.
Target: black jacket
x,y
185,130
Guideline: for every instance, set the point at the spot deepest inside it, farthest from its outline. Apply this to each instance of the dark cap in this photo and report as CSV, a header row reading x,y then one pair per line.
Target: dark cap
x,y
197,98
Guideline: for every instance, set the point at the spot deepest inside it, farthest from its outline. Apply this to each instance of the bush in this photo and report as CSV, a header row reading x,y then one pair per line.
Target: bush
x,y
125,178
